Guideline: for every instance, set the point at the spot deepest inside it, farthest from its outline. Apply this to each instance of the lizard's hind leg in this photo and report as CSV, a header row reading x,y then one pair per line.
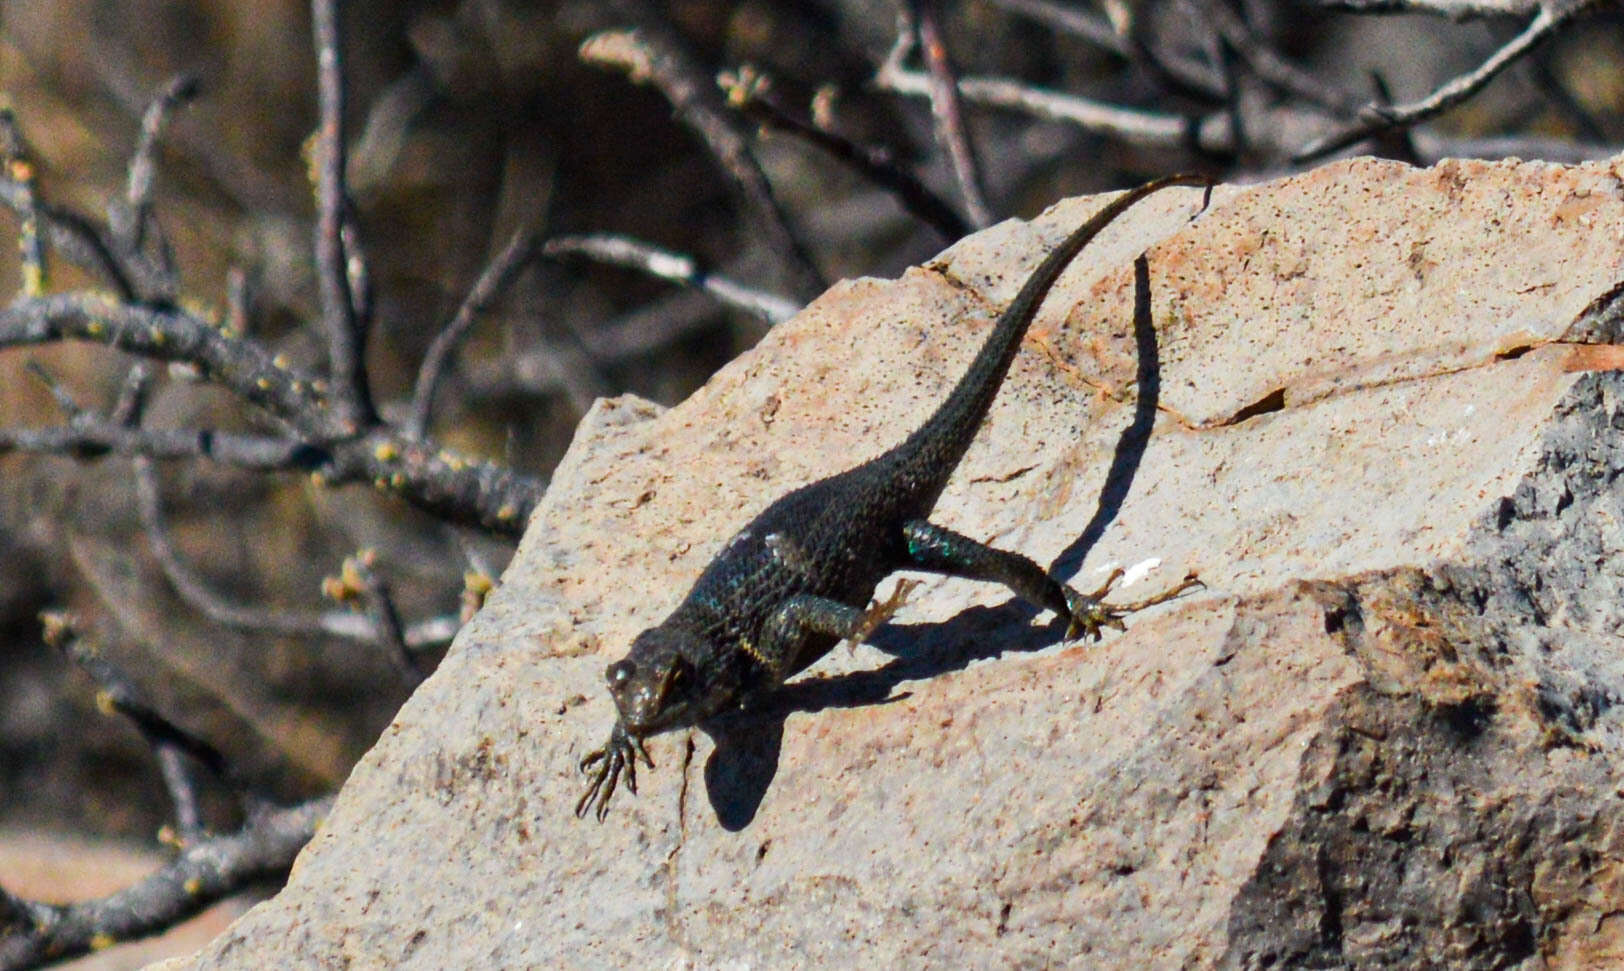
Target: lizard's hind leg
x,y
940,550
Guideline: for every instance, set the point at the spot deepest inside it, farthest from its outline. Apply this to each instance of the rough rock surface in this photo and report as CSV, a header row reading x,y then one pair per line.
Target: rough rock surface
x,y
1373,406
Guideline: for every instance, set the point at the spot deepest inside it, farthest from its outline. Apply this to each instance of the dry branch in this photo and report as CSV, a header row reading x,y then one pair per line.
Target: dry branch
x,y
655,52
1376,118
205,871
675,267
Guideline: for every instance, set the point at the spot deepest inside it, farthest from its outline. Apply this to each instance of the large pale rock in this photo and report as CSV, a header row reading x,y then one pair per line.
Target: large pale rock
x,y
1371,405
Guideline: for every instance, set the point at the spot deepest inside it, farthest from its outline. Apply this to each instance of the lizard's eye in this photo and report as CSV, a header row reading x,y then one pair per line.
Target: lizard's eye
x,y
675,675
620,674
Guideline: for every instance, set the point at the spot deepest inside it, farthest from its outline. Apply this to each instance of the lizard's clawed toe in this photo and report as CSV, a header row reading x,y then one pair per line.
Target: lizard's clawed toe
x,y
617,757
880,613
1089,614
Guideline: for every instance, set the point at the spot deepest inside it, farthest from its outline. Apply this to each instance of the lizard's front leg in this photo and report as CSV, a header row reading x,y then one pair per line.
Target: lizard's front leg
x,y
802,616
940,550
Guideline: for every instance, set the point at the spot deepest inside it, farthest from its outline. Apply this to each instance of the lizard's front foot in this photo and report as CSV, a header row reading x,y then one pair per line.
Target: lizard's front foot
x,y
880,613
1090,614
619,754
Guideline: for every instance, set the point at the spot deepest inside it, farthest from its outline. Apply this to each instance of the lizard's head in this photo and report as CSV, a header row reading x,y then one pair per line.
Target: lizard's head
x,y
656,686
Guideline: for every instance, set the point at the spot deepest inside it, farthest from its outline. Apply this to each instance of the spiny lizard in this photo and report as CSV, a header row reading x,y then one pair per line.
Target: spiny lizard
x,y
795,581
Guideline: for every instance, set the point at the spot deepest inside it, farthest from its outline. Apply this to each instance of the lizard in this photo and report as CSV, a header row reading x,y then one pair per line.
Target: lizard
x,y
794,582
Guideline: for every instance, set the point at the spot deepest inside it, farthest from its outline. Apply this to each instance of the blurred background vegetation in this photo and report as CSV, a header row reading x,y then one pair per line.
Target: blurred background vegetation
x,y
470,120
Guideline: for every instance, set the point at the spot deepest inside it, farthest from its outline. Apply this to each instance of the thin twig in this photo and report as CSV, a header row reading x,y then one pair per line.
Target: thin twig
x,y
676,267
239,304
126,79
444,484
1550,86
379,601
497,276
359,585
655,52
346,338
1274,129
1430,148
172,745
70,235
1267,63
180,782
23,175
1398,144
357,270
946,108
132,396
1071,20
1235,98
1147,129
59,394
206,871
750,92
429,634
541,369
95,437
1375,118
1456,10
143,168
1177,73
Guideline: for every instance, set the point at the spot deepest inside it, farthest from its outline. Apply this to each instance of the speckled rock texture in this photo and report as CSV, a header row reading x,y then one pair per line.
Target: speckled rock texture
x,y
1375,407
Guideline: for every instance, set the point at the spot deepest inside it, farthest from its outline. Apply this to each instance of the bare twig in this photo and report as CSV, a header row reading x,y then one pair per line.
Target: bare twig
x,y
22,175
945,106
1274,129
1094,29
1399,143
1148,129
357,270
1267,63
654,52
59,394
675,267
346,335
206,871
132,397
125,78
1453,9
143,166
497,276
179,781
460,489
172,745
1180,74
70,235
544,368
385,616
1429,148
1587,127
750,92
361,586
97,437
1375,118
239,304
429,634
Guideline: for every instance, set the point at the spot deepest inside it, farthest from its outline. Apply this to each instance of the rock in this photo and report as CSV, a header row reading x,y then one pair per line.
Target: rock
x,y
1377,411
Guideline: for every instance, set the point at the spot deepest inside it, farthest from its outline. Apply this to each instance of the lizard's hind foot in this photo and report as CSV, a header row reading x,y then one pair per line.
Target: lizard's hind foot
x,y
1090,614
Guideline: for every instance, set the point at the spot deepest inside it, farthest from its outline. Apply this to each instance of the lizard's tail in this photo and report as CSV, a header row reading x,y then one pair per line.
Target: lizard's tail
x,y
935,448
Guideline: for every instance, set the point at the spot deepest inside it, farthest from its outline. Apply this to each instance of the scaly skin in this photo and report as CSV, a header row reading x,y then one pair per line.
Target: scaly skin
x,y
794,582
